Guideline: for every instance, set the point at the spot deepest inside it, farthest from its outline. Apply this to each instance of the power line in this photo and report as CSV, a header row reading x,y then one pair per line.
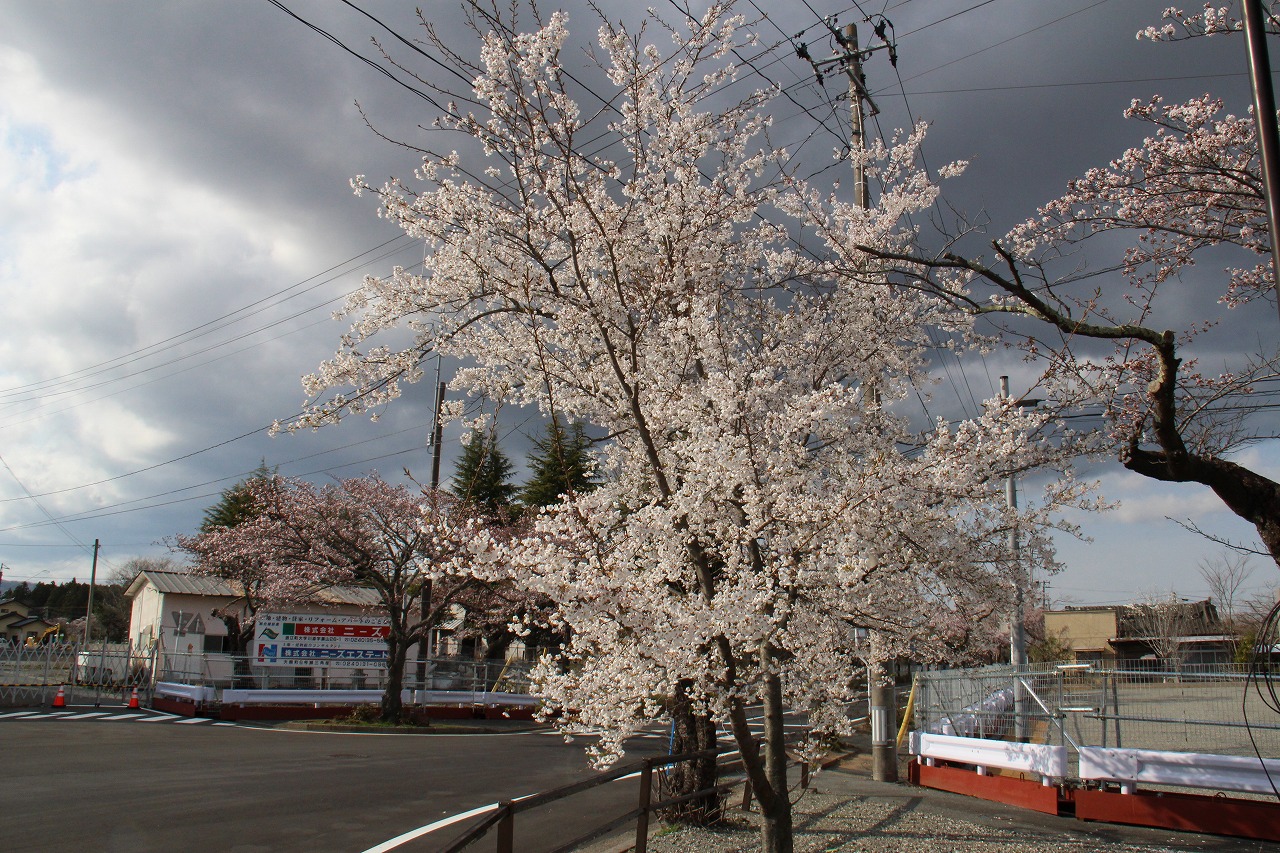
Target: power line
x,y
1175,78
204,328
992,46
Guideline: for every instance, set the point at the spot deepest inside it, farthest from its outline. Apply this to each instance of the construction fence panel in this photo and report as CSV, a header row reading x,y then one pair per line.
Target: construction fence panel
x,y
31,675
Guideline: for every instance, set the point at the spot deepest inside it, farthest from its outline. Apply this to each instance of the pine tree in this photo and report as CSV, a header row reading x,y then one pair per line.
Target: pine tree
x,y
235,505
482,477
558,464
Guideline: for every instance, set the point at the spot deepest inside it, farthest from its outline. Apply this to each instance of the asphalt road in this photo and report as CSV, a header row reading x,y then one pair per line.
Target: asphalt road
x,y
131,787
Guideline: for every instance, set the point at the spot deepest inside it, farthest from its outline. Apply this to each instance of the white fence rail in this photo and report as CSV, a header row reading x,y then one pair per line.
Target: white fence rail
x,y
1128,767
1047,762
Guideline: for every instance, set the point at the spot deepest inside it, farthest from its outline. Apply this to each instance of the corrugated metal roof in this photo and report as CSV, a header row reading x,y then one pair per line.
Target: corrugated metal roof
x,y
359,596
185,583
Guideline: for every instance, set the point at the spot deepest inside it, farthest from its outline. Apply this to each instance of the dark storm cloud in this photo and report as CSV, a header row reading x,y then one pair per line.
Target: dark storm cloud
x,y
193,158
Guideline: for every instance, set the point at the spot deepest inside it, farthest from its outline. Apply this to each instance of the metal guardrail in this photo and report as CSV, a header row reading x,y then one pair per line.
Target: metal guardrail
x,y
502,819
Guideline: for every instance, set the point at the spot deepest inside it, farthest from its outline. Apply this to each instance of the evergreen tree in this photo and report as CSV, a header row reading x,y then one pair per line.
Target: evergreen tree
x,y
559,463
235,505
483,475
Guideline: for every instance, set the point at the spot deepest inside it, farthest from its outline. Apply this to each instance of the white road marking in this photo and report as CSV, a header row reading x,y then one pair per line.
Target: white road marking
x,y
123,717
431,827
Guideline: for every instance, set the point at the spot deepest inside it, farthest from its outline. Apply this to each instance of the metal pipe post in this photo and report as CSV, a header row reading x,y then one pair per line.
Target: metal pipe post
x,y
1264,113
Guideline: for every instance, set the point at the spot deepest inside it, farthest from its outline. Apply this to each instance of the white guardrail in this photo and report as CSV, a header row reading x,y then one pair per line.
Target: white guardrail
x,y
1047,762
190,692
304,697
367,697
1128,767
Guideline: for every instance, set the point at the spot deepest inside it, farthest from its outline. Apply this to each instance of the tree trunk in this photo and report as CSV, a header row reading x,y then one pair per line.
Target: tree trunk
x,y
691,732
775,810
397,650
768,772
241,637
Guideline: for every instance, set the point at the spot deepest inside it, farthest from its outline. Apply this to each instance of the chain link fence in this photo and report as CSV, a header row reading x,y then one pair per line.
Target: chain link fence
x,y
1212,709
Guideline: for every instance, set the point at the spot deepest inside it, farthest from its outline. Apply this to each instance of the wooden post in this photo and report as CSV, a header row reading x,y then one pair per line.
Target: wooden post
x,y
642,820
506,829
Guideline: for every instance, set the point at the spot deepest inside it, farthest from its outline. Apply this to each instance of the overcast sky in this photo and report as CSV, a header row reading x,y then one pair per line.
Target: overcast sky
x,y
176,226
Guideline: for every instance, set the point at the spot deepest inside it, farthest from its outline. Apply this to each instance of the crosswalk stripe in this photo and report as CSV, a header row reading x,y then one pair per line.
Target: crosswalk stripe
x,y
104,716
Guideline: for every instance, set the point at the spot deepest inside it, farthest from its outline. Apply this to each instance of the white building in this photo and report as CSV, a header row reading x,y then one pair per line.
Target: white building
x,y
173,618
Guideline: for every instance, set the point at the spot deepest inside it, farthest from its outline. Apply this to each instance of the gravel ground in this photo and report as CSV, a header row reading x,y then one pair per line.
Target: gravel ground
x,y
845,812
831,823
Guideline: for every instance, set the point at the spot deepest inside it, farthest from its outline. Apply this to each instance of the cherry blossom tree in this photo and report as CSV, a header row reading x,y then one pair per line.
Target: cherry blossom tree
x,y
245,560
1109,333
1207,21
360,531
632,267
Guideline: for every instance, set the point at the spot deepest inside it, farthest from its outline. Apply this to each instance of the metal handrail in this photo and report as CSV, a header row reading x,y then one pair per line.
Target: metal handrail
x,y
504,812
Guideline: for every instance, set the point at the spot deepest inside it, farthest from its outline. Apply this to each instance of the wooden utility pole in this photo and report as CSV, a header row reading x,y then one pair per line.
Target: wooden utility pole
x,y
88,611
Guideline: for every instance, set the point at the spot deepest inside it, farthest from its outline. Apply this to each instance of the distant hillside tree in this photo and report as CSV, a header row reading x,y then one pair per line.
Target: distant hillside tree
x,y
559,464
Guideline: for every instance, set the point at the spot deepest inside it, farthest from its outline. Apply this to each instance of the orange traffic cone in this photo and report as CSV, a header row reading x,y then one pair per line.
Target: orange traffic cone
x,y
133,700
60,701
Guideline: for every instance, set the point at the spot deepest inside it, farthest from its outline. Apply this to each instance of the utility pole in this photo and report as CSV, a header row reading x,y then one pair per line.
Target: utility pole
x,y
88,611
857,129
1017,621
1264,113
424,604
88,629
882,695
1017,628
